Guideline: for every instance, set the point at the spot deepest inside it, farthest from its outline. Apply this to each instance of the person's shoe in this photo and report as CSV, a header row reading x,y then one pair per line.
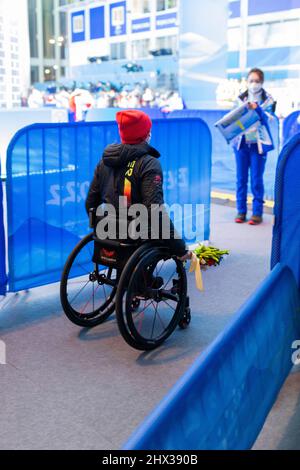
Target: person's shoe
x,y
240,218
255,220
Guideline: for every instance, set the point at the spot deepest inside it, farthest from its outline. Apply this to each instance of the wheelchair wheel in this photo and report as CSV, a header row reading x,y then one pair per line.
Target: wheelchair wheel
x,y
151,298
87,290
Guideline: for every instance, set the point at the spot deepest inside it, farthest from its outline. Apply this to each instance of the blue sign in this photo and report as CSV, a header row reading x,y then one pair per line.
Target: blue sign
x,y
97,28
141,25
118,19
168,20
78,26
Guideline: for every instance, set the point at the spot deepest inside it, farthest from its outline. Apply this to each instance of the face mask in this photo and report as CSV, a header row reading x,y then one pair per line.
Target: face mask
x,y
255,87
148,140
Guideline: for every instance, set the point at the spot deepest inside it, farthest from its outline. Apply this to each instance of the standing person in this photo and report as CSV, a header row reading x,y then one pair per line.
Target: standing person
x,y
252,147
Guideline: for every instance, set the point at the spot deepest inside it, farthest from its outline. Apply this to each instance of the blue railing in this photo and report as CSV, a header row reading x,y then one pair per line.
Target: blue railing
x,y
109,114
291,126
3,277
222,401
49,168
286,231
223,161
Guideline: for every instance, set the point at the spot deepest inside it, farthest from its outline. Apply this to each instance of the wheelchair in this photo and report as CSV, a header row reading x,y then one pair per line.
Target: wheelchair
x,y
140,281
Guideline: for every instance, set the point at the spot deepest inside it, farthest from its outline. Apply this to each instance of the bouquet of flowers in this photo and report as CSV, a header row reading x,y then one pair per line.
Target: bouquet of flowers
x,y
209,255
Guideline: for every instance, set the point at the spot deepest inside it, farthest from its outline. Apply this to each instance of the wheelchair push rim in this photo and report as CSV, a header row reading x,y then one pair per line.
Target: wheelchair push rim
x,y
87,289
153,301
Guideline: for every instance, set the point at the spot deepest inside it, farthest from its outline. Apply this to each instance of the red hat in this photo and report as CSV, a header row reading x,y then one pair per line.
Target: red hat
x,y
134,126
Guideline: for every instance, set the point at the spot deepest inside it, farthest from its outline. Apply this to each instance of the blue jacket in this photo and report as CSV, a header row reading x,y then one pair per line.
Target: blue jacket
x,y
265,110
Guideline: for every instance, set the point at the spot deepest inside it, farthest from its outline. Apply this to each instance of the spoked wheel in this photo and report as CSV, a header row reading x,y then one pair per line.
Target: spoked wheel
x,y
151,304
87,290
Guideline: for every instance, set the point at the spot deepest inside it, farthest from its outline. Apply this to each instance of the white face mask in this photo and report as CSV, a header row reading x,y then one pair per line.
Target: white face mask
x,y
255,87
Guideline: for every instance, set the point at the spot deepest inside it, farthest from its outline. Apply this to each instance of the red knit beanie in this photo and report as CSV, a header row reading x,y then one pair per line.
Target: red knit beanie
x,y
134,126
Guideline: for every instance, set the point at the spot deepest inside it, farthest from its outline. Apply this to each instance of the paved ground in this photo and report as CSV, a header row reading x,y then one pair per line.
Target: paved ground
x,y
65,388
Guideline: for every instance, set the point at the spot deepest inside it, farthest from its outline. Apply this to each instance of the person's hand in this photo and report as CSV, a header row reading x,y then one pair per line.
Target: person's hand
x,y
252,106
187,256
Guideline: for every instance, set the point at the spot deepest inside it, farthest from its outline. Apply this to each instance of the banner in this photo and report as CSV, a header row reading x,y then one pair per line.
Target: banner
x,y
78,26
118,18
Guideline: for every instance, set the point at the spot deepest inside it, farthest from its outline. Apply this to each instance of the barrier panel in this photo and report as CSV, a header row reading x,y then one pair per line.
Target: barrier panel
x,y
14,119
286,231
49,169
109,114
222,401
223,161
291,126
3,277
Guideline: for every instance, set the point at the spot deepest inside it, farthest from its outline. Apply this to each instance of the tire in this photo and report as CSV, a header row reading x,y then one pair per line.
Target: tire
x,y
148,336
102,306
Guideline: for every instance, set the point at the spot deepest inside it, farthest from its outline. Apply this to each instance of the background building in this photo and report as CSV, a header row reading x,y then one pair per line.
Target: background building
x,y
89,40
105,36
48,38
14,52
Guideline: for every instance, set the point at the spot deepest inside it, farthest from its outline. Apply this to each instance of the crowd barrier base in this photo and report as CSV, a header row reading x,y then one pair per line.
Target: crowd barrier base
x,y
222,401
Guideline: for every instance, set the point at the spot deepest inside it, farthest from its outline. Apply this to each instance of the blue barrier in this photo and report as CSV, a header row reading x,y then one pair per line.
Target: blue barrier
x,y
49,168
3,277
16,118
223,161
286,231
291,126
222,401
109,114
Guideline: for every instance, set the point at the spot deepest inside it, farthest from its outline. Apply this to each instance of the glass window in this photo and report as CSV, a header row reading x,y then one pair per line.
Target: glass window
x,y
49,73
274,34
62,34
34,73
233,39
48,27
140,48
32,16
167,42
118,51
140,6
166,4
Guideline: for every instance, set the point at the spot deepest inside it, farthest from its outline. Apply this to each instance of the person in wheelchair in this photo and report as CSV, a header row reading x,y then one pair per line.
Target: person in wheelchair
x,y
145,185
142,280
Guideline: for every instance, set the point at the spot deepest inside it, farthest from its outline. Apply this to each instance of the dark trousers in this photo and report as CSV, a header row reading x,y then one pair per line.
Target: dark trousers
x,y
248,158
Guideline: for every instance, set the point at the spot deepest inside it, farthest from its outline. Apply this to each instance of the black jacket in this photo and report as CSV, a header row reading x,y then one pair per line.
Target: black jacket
x,y
147,182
